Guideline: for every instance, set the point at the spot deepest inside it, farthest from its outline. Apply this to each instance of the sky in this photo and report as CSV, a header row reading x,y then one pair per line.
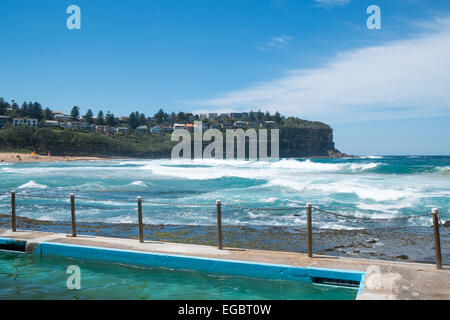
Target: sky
x,y
384,91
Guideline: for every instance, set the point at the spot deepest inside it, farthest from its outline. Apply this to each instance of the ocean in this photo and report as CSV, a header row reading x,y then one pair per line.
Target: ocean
x,y
371,187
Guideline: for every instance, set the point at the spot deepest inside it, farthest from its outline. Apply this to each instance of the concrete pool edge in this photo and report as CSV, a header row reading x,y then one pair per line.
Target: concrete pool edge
x,y
206,265
397,280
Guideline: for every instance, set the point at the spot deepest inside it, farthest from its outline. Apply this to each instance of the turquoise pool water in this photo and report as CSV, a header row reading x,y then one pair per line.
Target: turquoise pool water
x,y
34,277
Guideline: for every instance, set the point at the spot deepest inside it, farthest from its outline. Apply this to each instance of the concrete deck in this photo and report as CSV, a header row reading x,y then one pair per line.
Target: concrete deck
x,y
385,280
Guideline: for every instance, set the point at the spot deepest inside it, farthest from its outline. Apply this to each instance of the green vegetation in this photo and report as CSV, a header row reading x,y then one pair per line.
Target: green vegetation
x,y
81,143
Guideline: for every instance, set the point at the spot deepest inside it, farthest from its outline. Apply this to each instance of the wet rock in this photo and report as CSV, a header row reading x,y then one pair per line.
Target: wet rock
x,y
403,257
372,241
447,223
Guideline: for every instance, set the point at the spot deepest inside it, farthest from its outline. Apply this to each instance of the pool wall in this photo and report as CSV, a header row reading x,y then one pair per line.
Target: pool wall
x,y
206,265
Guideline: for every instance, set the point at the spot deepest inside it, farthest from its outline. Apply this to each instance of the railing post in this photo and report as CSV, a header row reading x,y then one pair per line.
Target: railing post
x,y
309,228
219,224
437,239
141,229
13,211
72,212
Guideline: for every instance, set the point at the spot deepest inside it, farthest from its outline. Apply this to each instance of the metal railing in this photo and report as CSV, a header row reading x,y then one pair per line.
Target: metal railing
x,y
308,210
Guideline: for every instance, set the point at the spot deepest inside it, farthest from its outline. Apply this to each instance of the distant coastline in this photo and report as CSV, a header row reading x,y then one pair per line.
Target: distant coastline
x,y
31,128
12,157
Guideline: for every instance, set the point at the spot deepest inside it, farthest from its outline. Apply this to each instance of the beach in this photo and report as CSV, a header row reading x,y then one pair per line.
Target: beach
x,y
28,157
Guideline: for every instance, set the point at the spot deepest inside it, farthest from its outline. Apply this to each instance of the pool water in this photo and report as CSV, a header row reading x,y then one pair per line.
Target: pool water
x,y
24,276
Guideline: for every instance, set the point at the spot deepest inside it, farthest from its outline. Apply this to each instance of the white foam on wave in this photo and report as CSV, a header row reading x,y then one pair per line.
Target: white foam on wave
x,y
444,170
338,226
363,191
138,183
215,169
32,185
371,157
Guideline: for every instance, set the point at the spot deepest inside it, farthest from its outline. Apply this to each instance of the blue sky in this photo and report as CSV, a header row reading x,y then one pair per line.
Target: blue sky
x,y
383,91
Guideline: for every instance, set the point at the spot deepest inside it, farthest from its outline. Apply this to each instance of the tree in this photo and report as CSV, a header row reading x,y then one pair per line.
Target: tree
x,y
267,116
75,113
48,115
23,112
100,119
110,119
14,106
3,107
172,118
35,111
251,116
88,117
133,121
160,116
181,117
277,117
142,120
259,116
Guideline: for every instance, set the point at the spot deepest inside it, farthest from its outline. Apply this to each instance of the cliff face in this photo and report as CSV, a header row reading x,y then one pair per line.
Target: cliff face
x,y
307,142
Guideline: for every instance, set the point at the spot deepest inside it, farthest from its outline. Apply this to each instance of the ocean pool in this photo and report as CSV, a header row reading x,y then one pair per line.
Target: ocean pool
x,y
36,277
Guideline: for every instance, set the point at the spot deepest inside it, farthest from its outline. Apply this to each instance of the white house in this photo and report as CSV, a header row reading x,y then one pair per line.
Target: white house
x,y
179,126
51,123
25,122
142,129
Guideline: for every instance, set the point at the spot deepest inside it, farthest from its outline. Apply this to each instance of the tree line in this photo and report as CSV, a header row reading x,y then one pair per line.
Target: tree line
x,y
135,119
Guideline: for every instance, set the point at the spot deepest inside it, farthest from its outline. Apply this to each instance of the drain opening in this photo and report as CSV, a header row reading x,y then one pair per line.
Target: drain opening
x,y
14,246
336,282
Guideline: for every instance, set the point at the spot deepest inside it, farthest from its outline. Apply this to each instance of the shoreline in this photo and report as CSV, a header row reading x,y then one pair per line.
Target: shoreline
x,y
16,157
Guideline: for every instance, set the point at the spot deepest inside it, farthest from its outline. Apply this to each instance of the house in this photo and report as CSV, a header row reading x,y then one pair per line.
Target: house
x,y
25,122
167,129
74,125
269,124
241,124
156,129
142,129
3,121
202,116
179,126
102,129
227,125
236,115
60,116
122,130
212,116
123,119
190,127
51,123
215,126
224,115
244,115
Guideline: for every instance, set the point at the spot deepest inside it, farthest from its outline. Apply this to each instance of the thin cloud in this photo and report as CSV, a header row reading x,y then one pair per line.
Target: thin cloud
x,y
400,79
332,3
275,43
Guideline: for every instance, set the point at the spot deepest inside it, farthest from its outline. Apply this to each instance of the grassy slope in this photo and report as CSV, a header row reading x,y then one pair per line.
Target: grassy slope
x,y
72,142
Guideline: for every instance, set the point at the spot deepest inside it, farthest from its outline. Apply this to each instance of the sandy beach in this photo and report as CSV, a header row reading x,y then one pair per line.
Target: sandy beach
x,y
27,157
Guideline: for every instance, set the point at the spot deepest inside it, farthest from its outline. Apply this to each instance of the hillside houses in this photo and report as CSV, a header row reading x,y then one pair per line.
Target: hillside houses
x,y
34,115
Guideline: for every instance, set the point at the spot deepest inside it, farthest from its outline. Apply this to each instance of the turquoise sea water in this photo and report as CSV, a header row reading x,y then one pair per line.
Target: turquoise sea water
x,y
374,187
34,277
